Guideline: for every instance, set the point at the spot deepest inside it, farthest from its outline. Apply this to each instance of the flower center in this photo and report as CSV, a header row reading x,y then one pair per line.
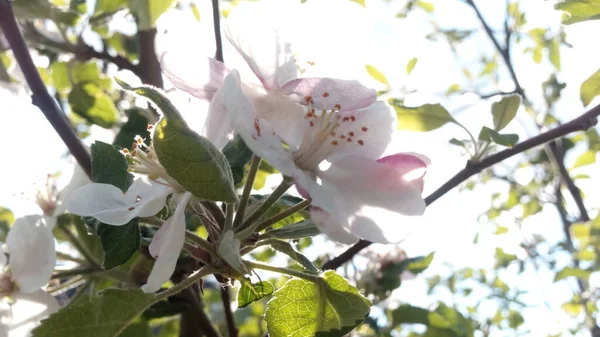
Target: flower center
x,y
143,160
327,130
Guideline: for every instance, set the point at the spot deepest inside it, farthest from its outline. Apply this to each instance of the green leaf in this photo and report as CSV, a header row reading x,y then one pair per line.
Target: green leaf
x,y
296,230
43,9
192,160
586,158
251,292
441,322
377,75
427,6
418,265
118,242
360,2
486,134
148,11
505,110
407,313
109,166
411,65
92,103
590,88
195,11
579,10
553,47
106,315
238,155
287,249
515,319
424,118
568,272
331,307
109,6
137,124
59,72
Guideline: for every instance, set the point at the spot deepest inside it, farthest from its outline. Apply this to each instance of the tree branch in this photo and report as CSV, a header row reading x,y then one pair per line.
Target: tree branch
x,y
81,50
41,98
217,28
150,71
231,327
580,123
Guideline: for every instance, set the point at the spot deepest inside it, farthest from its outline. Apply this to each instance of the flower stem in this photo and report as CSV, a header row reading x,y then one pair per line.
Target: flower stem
x,y
249,226
80,248
74,272
254,165
195,277
274,219
229,218
282,270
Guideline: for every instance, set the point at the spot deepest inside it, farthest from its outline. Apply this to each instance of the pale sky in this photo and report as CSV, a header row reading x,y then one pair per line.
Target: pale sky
x,y
341,37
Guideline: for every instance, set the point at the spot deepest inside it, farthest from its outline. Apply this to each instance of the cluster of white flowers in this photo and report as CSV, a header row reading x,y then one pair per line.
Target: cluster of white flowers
x,y
296,124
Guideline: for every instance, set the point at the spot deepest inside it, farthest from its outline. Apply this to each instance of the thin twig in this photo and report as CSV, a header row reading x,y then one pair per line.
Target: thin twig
x,y
41,98
81,50
80,247
580,123
231,327
217,28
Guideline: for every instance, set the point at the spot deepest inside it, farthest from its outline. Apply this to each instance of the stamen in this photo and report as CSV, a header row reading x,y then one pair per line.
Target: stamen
x,y
131,208
364,129
325,94
257,126
360,142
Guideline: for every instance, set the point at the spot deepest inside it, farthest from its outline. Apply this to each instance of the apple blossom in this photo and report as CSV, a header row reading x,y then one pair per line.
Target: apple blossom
x,y
278,87
145,197
26,265
358,195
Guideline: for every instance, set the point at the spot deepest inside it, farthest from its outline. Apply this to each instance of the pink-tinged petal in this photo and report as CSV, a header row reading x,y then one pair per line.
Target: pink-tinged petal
x,y
218,127
166,246
372,200
411,166
258,134
331,227
327,93
364,132
110,205
269,58
197,75
32,255
25,314
374,184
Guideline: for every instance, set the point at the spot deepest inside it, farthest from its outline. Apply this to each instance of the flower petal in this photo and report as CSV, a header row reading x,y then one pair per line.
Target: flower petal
x,y
373,200
78,178
257,133
269,58
32,255
195,74
26,312
412,166
326,93
364,132
110,205
331,227
218,127
166,246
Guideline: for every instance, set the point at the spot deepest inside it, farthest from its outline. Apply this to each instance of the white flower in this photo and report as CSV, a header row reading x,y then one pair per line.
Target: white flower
x,y
145,197
27,268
